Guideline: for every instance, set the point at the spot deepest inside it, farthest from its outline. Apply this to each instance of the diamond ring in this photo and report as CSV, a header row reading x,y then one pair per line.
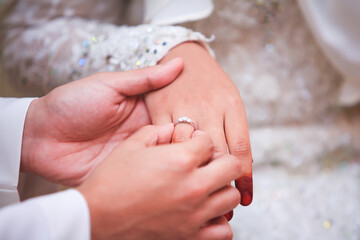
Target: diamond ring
x,y
187,121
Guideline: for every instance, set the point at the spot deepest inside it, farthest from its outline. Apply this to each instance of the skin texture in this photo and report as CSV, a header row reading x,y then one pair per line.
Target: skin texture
x,y
148,190
204,93
69,131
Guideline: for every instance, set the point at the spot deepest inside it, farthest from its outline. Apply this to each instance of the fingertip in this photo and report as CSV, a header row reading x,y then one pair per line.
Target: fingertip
x,y
152,135
205,141
159,76
245,186
246,198
178,62
165,133
198,133
173,67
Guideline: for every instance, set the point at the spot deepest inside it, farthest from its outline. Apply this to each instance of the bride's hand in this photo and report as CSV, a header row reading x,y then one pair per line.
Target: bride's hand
x,y
204,93
74,127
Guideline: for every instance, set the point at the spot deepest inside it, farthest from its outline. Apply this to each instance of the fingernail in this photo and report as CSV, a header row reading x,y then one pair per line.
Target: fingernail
x,y
246,198
229,215
245,186
172,61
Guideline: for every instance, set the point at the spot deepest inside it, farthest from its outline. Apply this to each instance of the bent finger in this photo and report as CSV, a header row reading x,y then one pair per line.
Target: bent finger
x,y
218,229
152,135
219,173
199,148
186,156
220,203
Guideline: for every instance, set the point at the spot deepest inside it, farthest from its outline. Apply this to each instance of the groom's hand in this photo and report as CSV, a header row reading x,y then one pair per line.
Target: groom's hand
x,y
74,127
146,191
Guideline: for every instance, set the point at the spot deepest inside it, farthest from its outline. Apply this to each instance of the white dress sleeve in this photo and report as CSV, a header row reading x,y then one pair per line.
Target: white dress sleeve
x,y
49,43
335,25
58,216
12,118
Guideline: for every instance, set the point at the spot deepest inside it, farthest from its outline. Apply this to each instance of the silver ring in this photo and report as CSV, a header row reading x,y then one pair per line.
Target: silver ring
x,y
187,121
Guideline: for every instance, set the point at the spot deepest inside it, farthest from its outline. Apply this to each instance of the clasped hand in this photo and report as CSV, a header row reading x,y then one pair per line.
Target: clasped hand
x,y
141,187
69,131
148,190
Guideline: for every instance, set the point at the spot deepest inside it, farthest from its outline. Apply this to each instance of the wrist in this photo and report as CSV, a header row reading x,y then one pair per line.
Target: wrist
x,y
197,62
29,137
93,203
188,51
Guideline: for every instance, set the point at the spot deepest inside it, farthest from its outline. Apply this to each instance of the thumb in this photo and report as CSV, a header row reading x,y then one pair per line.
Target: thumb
x,y
144,80
152,135
198,133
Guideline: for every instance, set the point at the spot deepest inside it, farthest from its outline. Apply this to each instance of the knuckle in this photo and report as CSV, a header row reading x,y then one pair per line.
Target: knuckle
x,y
212,147
234,100
204,144
219,151
196,218
241,148
184,162
196,191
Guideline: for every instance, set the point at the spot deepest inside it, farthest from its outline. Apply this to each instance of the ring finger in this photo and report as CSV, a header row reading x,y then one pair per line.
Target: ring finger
x,y
182,131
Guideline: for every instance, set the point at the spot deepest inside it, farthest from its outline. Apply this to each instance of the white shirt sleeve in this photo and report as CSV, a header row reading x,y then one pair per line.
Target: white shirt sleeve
x,y
57,216
63,215
12,118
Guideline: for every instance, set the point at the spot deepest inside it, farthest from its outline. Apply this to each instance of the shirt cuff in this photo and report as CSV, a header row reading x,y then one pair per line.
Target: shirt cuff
x,y
12,118
67,215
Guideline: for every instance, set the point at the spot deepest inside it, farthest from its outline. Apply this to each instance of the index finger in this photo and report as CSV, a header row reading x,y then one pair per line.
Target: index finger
x,y
190,154
237,136
200,148
219,172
